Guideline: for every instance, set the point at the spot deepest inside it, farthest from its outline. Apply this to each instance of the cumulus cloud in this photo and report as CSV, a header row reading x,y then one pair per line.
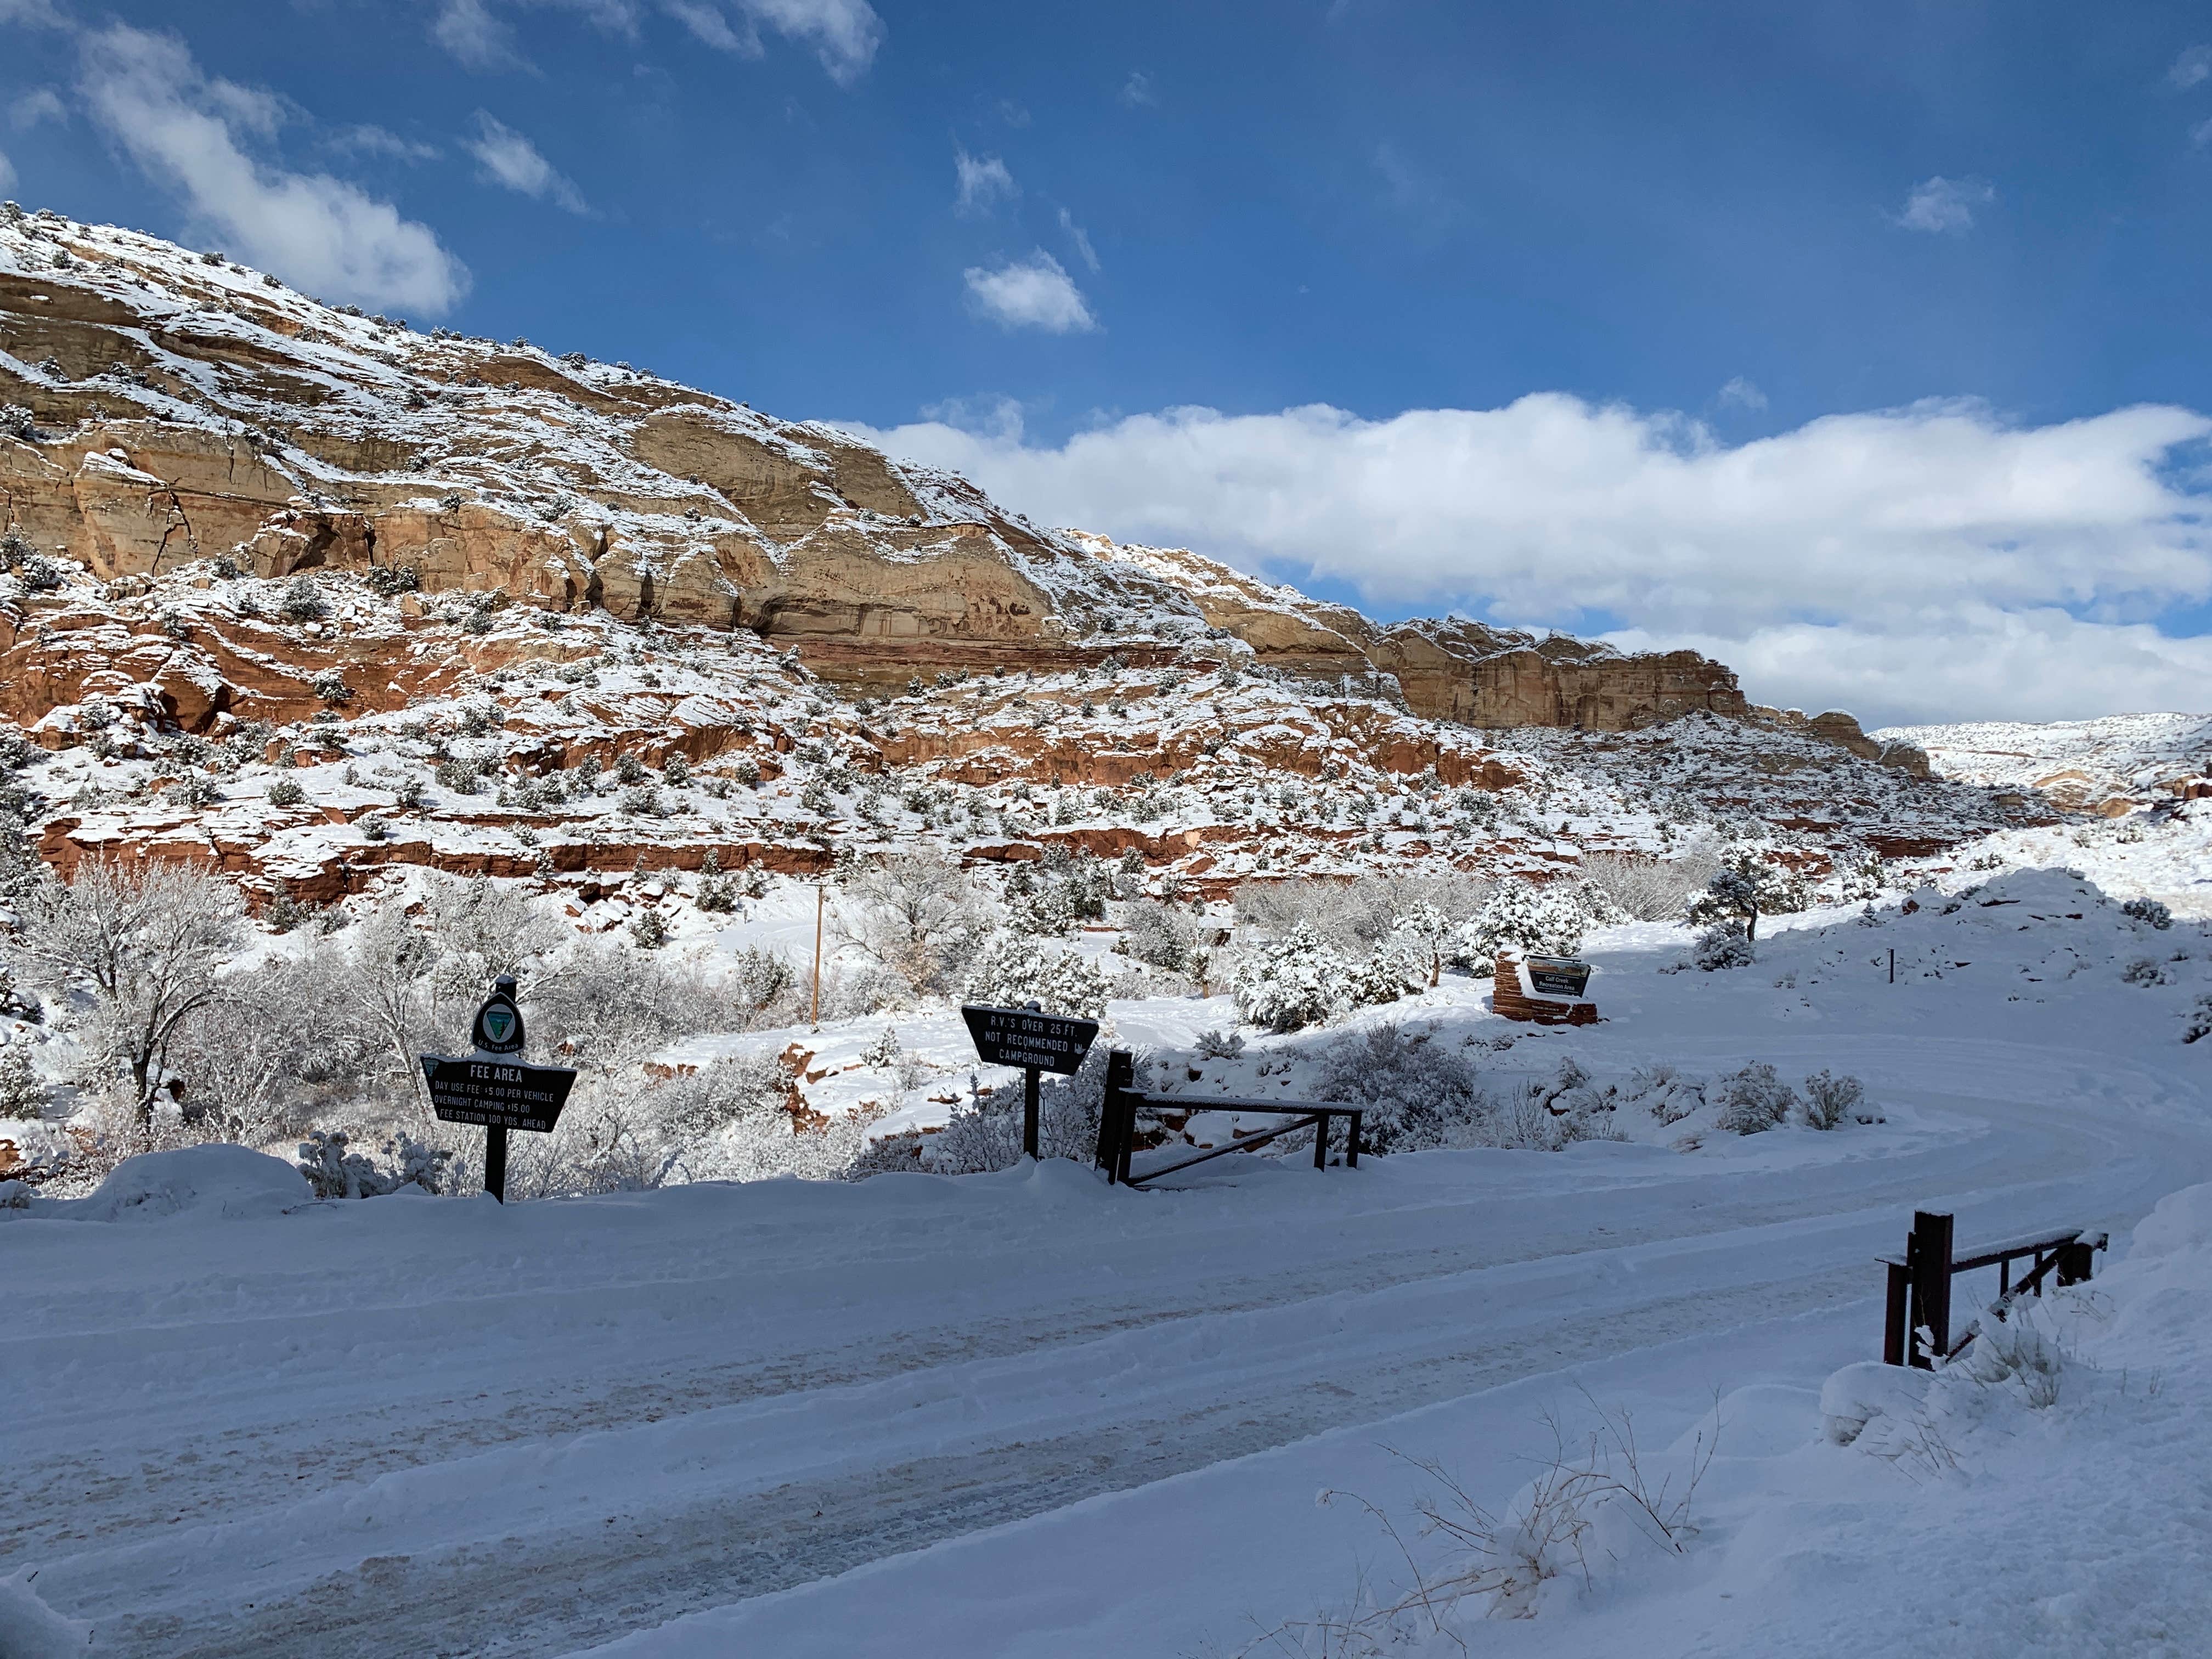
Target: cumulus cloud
x,y
1958,538
510,161
33,107
844,33
6,173
40,13
185,131
1136,90
1940,205
1033,293
2190,68
984,183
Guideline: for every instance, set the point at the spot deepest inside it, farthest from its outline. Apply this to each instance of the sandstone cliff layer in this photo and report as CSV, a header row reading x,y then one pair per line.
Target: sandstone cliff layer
x,y
167,408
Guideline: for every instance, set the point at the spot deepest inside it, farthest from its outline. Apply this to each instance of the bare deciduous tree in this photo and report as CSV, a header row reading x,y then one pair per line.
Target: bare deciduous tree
x,y
144,941
913,913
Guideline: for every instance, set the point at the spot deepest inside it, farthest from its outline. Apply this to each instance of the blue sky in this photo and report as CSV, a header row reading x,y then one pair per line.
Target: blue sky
x,y
1815,337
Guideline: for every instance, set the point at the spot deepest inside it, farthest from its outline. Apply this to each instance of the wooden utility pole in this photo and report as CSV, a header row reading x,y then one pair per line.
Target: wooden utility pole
x,y
818,900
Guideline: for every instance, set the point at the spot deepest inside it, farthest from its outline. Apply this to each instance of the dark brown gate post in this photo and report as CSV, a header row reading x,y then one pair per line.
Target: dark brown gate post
x,y
1928,1261
1113,1150
1896,1323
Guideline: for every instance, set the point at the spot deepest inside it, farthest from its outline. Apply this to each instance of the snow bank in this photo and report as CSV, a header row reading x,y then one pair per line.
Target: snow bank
x,y
215,1182
29,1629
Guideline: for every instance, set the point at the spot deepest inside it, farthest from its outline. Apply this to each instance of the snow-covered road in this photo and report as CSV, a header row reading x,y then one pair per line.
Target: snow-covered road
x,y
413,1426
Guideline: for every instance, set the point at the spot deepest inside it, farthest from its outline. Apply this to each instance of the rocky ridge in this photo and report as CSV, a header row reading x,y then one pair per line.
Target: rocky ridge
x,y
308,592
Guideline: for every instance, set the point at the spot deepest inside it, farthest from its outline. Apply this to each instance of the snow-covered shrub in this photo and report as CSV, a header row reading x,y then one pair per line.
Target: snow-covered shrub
x,y
1212,1045
1010,970
1724,945
649,931
1418,1092
286,791
1646,889
763,986
1669,1095
1294,982
746,771
1831,1100
633,1131
23,1096
1158,933
1524,918
333,1171
2150,912
1753,1100
330,686
985,1133
303,601
1399,964
2143,970
717,892
2199,1023
2010,1345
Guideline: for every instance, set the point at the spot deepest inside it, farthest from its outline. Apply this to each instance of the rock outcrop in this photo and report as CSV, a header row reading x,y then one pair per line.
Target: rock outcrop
x,y
171,407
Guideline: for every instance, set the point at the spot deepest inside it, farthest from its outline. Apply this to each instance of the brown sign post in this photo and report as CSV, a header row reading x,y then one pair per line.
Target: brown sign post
x,y
1035,1041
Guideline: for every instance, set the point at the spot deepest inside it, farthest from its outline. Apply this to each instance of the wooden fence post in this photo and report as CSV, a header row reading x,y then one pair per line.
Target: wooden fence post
x,y
1112,1151
1896,1323
2074,1264
1928,1261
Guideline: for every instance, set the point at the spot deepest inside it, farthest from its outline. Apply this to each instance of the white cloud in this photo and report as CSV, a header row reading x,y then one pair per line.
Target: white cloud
x,y
33,107
1082,241
7,174
2192,67
511,161
1032,293
469,30
844,33
984,183
370,139
1740,393
1957,539
1941,204
183,129
40,13
1136,90
2201,134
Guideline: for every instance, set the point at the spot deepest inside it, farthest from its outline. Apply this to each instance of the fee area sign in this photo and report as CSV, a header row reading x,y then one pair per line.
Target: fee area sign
x,y
499,1094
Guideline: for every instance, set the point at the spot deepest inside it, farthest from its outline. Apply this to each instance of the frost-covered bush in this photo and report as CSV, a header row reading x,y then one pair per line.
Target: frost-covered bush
x,y
915,914
632,1132
1294,982
985,1133
1420,1092
1669,1095
333,1170
1010,970
1753,1100
330,685
22,1096
1353,917
2199,1023
2150,912
2145,971
1647,889
1521,917
1212,1045
1399,964
1161,934
1831,1100
286,791
1724,945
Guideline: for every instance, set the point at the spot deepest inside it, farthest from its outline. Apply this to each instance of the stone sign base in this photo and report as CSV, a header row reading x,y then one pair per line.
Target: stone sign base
x,y
1511,998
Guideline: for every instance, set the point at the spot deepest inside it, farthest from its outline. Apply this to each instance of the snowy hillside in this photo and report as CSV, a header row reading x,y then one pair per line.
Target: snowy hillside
x,y
2092,765
799,1417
